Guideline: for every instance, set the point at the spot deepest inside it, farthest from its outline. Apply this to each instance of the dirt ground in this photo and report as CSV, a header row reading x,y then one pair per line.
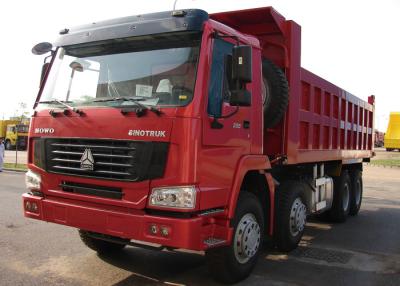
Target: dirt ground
x,y
382,154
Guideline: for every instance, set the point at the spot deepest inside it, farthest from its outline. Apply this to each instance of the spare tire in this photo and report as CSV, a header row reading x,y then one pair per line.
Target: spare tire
x,y
276,94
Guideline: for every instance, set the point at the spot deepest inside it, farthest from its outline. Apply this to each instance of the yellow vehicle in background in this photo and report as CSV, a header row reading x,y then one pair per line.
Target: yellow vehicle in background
x,y
14,133
392,136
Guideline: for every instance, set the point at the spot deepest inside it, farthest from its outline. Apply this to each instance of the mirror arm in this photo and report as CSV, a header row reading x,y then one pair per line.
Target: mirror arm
x,y
49,56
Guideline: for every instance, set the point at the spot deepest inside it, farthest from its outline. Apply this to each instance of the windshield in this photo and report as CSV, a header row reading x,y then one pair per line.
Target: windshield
x,y
157,70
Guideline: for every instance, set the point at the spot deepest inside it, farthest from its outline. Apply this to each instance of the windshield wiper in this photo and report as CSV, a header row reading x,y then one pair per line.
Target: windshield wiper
x,y
119,98
63,103
136,100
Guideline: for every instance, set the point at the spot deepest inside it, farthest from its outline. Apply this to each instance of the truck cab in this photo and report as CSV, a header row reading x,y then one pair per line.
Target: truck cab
x,y
136,133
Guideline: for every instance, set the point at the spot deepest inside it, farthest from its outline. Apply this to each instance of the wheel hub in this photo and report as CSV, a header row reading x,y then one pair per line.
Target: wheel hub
x,y
298,215
247,238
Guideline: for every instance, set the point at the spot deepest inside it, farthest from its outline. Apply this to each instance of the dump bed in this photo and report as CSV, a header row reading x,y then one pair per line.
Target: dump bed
x,y
331,123
323,122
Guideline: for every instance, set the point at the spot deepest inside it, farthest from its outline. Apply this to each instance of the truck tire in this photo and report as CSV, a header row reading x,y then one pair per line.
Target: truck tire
x,y
101,246
341,198
276,93
233,263
290,215
356,192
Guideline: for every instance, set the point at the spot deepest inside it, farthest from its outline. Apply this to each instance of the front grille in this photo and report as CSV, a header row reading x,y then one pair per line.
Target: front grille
x,y
92,190
106,159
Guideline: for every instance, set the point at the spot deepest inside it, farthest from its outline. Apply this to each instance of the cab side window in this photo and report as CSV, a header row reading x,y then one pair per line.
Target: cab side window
x,y
219,86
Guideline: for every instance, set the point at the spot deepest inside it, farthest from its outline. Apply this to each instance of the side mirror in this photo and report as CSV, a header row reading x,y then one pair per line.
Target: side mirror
x,y
42,48
242,64
241,74
75,66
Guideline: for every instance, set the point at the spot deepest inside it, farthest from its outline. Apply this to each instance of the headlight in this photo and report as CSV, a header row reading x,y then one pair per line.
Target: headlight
x,y
174,197
32,180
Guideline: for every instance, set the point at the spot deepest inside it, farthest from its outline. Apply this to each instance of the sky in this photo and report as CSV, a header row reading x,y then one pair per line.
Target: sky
x,y
354,44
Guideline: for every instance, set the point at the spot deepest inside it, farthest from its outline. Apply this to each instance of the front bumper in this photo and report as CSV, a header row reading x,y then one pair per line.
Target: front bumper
x,y
187,233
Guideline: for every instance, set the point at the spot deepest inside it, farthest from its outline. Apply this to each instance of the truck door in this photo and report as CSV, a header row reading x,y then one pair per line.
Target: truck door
x,y
231,131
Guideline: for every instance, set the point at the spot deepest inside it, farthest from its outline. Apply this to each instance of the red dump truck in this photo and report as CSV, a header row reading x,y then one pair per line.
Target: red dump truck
x,y
189,130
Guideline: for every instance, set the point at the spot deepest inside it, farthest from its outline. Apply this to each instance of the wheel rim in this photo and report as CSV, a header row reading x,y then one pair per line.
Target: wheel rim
x,y
298,215
247,238
267,92
346,197
358,192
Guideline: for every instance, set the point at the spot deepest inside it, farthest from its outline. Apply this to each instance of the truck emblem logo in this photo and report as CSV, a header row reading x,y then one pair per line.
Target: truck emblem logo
x,y
87,160
147,133
44,130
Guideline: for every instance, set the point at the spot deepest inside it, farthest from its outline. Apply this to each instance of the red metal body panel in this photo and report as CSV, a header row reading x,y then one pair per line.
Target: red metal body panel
x,y
125,223
333,124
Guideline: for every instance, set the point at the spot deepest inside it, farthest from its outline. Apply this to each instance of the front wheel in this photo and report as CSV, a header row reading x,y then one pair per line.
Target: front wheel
x,y
235,262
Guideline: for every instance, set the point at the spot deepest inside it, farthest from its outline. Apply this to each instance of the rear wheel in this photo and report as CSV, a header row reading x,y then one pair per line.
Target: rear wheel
x,y
233,263
341,198
356,192
290,215
99,245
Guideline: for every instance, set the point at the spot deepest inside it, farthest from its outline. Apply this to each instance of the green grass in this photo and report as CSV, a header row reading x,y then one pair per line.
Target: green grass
x,y
16,167
386,162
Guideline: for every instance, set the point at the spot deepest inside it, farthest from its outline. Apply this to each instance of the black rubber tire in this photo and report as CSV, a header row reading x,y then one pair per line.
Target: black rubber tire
x,y
101,246
389,149
276,93
338,213
222,263
287,193
356,182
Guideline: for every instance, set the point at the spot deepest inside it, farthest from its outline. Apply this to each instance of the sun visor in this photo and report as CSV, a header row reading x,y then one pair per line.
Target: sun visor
x,y
139,25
